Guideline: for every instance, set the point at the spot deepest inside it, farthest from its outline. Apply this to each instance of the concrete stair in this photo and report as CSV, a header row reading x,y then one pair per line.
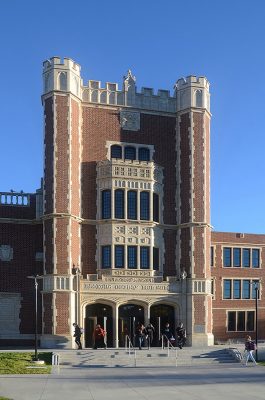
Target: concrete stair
x,y
155,357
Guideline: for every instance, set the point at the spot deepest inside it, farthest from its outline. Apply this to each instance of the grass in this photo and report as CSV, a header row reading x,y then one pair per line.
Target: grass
x,y
17,363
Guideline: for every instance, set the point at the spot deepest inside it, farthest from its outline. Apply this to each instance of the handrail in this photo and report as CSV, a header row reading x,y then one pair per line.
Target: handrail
x,y
130,345
169,345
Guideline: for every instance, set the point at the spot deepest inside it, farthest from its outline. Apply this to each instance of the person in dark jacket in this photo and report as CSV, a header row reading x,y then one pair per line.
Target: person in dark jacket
x,y
77,336
149,331
168,334
139,333
249,347
181,335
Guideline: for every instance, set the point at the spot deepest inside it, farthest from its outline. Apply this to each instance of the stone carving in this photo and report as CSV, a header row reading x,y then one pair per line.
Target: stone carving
x,y
130,120
6,252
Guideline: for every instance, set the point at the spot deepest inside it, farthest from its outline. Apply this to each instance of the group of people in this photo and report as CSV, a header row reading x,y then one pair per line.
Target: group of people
x,y
98,334
147,333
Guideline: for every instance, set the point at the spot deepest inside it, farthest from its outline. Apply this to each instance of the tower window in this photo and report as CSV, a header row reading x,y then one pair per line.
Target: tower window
x,y
132,256
119,204
144,206
106,256
144,257
132,204
119,256
116,151
155,207
144,154
106,204
129,153
156,258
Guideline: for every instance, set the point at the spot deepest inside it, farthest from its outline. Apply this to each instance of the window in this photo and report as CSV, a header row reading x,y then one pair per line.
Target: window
x,y
246,289
236,257
155,207
119,256
227,256
129,153
132,256
106,257
255,289
236,289
240,321
246,257
106,204
119,203
144,257
227,289
144,154
144,206
116,151
132,204
255,258
156,258
212,256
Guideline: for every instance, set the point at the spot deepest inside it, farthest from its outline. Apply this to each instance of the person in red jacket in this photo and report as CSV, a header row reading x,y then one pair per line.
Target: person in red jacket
x,y
99,337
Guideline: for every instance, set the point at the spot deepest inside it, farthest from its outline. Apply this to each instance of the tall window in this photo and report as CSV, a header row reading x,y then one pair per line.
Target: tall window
x,y
144,206
144,258
144,154
236,257
236,289
132,256
240,321
106,204
227,289
106,256
227,256
155,207
119,203
116,151
246,257
156,258
119,256
246,289
212,256
129,153
255,258
132,204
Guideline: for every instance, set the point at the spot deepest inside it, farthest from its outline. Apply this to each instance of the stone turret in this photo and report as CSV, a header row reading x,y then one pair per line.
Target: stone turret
x,y
192,92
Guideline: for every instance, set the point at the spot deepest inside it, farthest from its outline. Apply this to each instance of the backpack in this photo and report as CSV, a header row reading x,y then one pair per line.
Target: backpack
x,y
252,345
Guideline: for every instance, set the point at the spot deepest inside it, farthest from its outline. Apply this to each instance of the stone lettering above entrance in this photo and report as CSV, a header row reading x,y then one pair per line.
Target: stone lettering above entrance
x,y
134,287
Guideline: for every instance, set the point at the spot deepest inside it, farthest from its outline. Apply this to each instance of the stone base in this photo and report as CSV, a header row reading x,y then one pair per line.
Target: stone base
x,y
56,342
202,339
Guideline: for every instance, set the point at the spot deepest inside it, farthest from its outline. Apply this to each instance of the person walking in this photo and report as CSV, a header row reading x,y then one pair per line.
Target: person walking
x,y
99,337
168,334
249,347
77,336
139,333
181,335
149,331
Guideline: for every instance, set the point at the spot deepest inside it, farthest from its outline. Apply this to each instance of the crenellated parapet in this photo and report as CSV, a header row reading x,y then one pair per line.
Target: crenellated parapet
x,y
64,75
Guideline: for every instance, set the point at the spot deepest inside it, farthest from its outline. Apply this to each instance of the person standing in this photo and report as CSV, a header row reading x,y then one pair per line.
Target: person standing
x,y
168,334
249,347
99,337
139,333
181,335
149,331
77,336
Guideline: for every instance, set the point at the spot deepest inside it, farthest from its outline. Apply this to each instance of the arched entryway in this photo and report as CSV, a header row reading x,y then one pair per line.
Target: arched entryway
x,y
98,314
160,314
129,316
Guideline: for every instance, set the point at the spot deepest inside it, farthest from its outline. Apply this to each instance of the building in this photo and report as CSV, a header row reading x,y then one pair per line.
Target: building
x,y
126,220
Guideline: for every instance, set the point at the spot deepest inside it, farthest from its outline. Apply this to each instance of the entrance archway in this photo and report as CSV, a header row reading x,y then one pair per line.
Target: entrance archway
x,y
98,314
160,314
129,316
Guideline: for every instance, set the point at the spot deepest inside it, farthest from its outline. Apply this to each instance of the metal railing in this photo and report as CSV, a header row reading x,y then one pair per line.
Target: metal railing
x,y
130,348
167,343
55,359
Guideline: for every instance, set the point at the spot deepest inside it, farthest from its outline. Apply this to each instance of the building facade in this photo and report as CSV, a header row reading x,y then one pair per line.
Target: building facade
x,y
121,231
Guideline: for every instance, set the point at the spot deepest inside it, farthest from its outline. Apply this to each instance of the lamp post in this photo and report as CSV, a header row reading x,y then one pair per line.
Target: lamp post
x,y
256,287
183,276
35,277
77,272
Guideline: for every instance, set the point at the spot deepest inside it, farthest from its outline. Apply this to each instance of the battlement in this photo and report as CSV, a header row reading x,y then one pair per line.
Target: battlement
x,y
64,75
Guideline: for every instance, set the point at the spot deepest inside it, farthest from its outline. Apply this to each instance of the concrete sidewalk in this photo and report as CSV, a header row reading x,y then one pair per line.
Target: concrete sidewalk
x,y
185,383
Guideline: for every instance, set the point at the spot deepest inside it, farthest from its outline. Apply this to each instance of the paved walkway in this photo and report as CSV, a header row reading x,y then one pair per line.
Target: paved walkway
x,y
230,381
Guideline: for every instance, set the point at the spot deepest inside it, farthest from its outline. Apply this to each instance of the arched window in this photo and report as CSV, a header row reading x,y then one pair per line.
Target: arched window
x,y
106,204
129,153
144,154
144,206
198,98
116,151
155,207
63,81
132,204
119,203
94,96
144,257
103,97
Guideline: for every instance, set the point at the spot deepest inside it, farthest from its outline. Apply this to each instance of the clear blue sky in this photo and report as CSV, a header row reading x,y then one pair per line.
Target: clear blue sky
x,y
160,41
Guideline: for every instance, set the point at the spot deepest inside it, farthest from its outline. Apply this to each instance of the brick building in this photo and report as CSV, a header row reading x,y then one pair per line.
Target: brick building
x,y
124,234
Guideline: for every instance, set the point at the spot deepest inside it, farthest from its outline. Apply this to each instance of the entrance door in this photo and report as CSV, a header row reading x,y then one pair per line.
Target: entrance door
x,y
98,314
160,314
129,316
